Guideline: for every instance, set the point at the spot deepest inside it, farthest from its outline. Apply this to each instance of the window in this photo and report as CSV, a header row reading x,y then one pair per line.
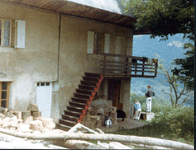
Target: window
x,y
43,84
4,94
5,32
95,43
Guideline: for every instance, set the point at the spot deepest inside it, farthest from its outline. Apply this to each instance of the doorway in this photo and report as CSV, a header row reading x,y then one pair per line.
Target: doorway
x,y
44,98
114,93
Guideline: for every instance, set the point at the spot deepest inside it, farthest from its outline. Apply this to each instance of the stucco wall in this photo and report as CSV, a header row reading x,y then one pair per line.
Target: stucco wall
x,y
74,60
38,62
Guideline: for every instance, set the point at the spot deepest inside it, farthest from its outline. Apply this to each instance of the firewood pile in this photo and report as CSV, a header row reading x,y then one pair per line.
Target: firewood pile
x,y
98,110
25,121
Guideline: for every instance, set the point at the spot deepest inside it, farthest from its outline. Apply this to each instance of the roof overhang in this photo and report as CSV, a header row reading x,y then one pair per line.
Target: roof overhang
x,y
85,10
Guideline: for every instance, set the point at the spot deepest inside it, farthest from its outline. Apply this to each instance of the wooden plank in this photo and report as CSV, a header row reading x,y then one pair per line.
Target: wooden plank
x,y
125,67
125,56
109,69
0,92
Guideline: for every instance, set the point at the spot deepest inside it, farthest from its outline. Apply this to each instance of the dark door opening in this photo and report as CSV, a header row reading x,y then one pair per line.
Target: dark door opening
x,y
114,93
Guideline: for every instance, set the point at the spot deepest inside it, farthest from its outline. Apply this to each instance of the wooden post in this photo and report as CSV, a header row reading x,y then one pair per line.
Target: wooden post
x,y
126,65
104,64
156,65
143,67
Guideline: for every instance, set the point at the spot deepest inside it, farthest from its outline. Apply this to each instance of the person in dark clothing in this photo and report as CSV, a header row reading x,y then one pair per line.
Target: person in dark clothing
x,y
149,94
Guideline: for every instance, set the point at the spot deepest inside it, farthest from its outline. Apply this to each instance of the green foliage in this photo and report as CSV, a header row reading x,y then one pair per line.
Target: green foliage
x,y
157,103
180,121
186,71
163,17
175,92
169,123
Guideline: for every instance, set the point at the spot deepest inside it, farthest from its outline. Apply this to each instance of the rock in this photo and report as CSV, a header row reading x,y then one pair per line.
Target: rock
x,y
22,127
18,114
10,122
28,120
1,121
48,123
25,115
36,114
2,116
7,114
36,125
33,107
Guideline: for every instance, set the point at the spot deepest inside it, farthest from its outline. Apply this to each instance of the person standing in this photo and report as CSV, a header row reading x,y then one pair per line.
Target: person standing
x,y
137,110
149,94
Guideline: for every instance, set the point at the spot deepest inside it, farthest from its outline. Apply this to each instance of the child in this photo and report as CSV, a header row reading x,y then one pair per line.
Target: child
x,y
137,110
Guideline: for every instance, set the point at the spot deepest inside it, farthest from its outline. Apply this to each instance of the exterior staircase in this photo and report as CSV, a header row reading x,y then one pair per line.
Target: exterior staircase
x,y
81,101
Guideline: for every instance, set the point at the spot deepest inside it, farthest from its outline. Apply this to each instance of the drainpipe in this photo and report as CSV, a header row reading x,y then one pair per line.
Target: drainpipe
x,y
59,44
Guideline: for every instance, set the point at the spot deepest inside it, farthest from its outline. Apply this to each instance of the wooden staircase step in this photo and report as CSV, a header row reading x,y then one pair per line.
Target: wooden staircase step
x,y
75,109
89,83
88,92
86,87
67,123
76,104
62,127
95,75
71,113
70,118
91,79
79,100
84,96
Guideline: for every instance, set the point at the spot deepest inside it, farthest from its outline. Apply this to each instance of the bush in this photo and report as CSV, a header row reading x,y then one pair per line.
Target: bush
x,y
169,123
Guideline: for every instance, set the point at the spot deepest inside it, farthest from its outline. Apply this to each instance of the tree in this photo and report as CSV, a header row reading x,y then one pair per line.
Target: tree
x,y
163,17
168,17
175,93
186,72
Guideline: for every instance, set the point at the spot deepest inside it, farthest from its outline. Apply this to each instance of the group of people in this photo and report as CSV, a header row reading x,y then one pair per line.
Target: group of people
x,y
137,106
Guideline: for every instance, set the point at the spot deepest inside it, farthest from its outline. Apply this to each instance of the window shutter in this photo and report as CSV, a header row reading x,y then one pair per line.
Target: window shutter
x,y
107,43
20,33
90,42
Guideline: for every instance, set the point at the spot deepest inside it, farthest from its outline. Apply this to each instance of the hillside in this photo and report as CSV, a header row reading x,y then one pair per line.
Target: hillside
x,y
168,50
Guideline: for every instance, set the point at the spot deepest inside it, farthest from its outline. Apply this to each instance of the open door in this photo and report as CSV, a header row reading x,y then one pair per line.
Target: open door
x,y
114,93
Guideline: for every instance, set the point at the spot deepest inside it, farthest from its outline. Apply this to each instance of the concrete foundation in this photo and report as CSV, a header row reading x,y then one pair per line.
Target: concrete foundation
x,y
147,116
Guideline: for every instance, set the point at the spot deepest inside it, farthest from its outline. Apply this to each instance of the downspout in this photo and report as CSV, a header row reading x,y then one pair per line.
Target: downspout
x,y
59,47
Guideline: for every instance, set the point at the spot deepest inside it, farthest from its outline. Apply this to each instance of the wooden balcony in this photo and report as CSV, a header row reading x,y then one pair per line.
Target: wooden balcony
x,y
124,66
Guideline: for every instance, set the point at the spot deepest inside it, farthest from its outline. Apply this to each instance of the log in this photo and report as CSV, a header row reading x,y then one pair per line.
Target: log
x,y
105,145
117,145
103,137
78,144
147,146
80,126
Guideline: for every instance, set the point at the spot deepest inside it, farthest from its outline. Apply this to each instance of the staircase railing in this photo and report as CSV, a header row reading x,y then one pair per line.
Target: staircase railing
x,y
128,66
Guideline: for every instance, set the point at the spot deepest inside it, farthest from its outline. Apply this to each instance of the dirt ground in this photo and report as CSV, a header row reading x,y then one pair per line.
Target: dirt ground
x,y
127,124
11,142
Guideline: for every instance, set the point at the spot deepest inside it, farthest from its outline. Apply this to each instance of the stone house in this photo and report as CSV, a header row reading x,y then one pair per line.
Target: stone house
x,y
47,46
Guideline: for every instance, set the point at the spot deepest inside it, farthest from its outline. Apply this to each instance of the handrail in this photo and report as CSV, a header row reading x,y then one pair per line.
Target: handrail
x,y
125,56
128,65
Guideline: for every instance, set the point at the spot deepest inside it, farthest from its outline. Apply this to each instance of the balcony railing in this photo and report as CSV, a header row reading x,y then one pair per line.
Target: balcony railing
x,y
114,65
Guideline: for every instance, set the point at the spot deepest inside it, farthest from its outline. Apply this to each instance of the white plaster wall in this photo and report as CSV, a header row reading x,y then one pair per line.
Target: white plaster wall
x,y
37,62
